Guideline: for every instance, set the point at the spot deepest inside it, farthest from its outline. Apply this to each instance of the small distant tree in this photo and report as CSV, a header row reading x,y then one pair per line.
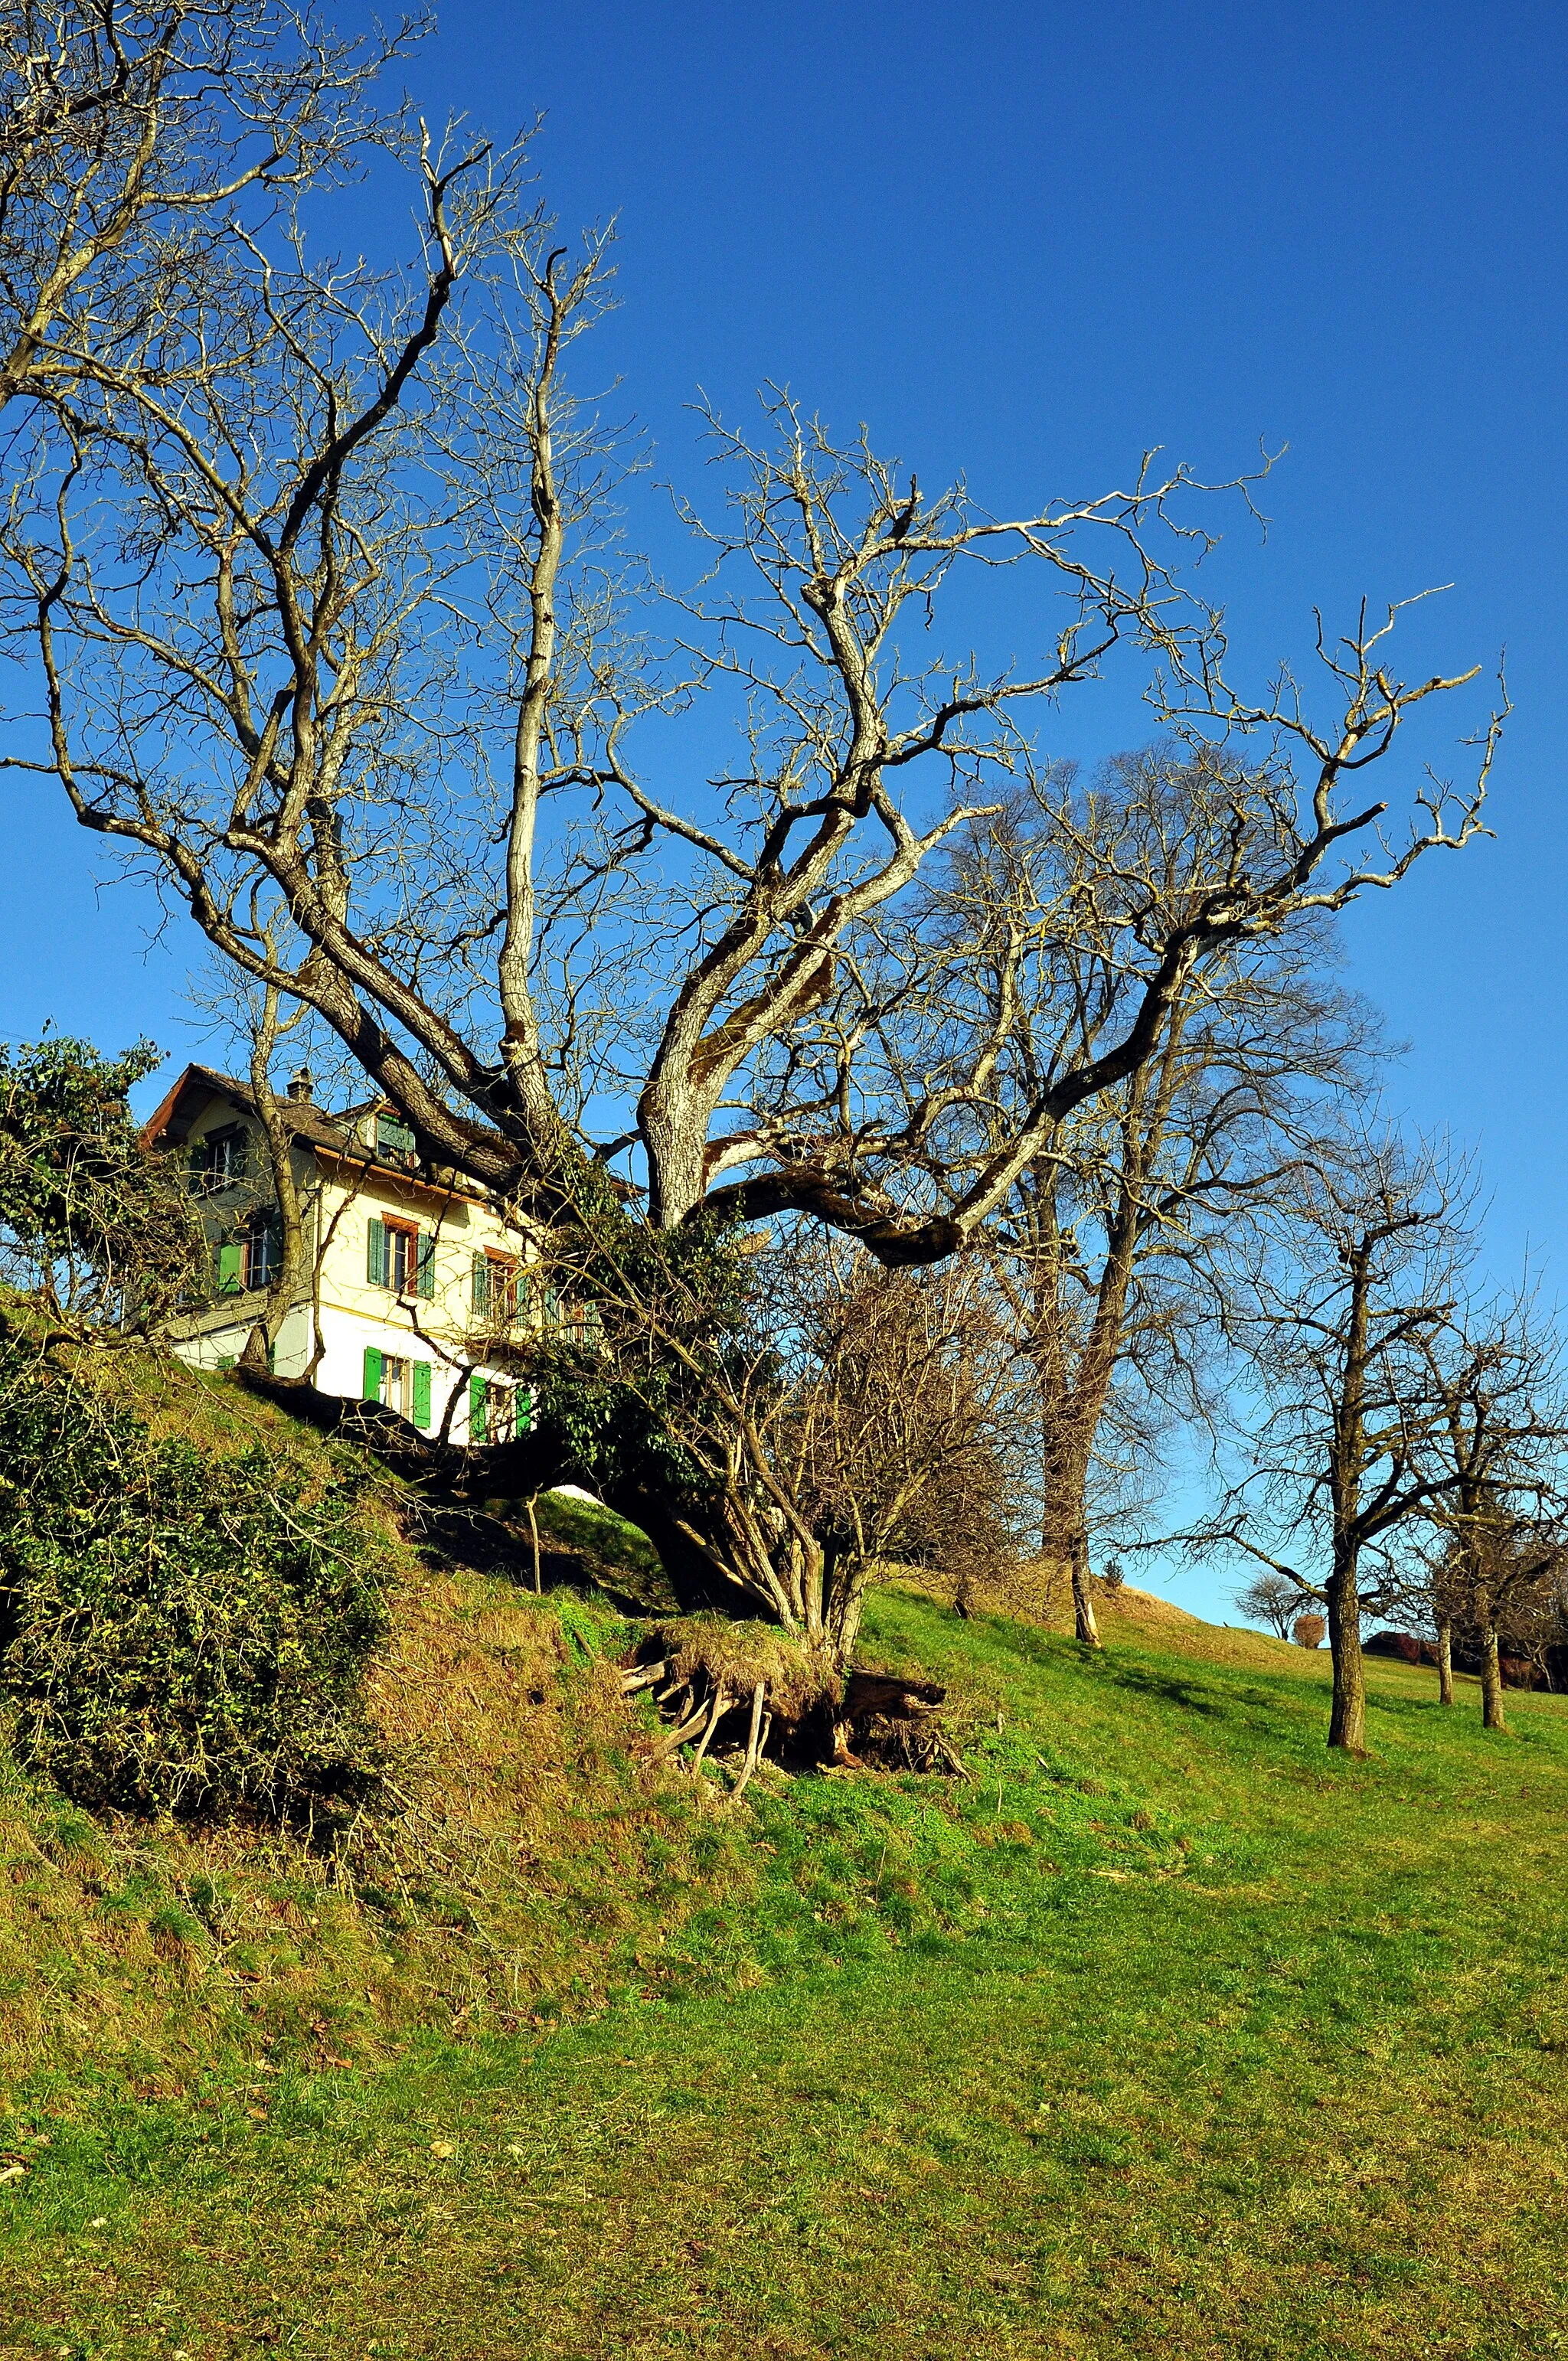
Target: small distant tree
x,y
1343,1323
1272,1598
782,1423
1500,1586
1497,1382
1309,1630
904,1438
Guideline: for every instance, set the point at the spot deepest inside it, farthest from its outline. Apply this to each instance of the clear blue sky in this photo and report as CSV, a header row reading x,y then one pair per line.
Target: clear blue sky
x,y
1026,241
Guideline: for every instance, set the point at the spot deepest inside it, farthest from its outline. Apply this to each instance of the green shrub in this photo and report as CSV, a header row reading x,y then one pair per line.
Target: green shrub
x,y
178,1632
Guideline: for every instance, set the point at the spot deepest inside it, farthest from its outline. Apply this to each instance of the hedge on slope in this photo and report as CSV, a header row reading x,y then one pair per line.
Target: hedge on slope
x,y
178,1632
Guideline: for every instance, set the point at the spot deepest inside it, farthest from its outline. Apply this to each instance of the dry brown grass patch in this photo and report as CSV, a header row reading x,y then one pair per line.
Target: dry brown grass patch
x,y
707,1652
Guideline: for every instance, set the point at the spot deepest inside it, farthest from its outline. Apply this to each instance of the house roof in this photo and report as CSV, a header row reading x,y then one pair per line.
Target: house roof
x,y
337,1135
172,1119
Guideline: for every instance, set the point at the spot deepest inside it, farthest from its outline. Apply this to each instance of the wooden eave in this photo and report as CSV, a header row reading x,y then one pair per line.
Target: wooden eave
x,y
390,1178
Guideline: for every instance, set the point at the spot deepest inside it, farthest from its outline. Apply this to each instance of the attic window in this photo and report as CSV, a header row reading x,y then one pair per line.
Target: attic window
x,y
394,1139
221,1159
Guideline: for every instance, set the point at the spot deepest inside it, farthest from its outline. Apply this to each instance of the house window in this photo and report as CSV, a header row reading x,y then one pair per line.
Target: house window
x,y
493,1410
583,1322
402,1385
402,1253
401,1257
394,1139
497,1287
220,1159
263,1247
497,1412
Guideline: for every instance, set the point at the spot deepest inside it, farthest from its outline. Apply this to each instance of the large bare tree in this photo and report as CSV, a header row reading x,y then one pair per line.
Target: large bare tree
x,y
134,136
318,573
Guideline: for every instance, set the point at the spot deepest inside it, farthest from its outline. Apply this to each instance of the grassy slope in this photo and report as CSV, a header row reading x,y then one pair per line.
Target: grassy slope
x,y
1167,2035
523,1854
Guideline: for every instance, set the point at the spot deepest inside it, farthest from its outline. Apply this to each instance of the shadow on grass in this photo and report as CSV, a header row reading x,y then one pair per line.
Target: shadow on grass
x,y
455,1535
1212,1692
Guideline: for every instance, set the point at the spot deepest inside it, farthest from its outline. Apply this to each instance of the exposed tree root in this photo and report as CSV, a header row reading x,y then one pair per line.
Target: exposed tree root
x,y
746,1708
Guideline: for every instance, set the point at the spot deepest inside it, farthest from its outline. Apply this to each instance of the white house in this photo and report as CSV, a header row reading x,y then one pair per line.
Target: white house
x,y
414,1283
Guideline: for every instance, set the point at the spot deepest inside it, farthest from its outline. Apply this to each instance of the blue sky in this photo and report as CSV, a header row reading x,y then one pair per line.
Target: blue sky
x,y
1026,242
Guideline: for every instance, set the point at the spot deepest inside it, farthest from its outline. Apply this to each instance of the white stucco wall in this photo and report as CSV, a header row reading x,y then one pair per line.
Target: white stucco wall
x,y
341,1201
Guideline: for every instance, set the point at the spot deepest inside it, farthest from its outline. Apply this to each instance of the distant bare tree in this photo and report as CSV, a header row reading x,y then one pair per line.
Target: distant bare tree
x,y
1346,1453
905,1444
1275,1600
1116,1240
1497,1376
786,1424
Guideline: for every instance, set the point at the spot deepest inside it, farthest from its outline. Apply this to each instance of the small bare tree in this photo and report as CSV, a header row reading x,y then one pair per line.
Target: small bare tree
x,y
1272,1598
904,1436
1345,1453
1496,1378
784,1423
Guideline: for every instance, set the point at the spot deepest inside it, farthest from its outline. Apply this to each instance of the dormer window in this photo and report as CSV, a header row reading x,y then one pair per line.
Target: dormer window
x,y
394,1139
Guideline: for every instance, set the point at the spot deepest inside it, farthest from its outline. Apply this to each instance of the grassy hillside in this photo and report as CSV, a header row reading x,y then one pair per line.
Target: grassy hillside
x,y
1163,2033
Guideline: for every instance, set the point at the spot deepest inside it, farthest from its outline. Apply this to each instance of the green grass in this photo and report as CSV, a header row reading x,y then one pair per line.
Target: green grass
x,y
1167,2034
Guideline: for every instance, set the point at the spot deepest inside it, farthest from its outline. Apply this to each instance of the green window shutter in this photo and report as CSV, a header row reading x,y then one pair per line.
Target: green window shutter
x,y
552,1308
372,1373
524,1293
426,1264
228,1267
375,1257
523,1402
593,1323
476,1423
481,1282
421,1393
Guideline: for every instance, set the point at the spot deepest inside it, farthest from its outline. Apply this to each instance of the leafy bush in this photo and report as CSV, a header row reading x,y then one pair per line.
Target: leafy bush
x,y
178,1631
85,1208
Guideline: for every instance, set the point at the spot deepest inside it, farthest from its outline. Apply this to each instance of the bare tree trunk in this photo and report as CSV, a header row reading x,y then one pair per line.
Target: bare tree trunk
x,y
1065,1532
852,1577
1086,1626
1445,1662
288,1281
1492,1717
1347,1721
